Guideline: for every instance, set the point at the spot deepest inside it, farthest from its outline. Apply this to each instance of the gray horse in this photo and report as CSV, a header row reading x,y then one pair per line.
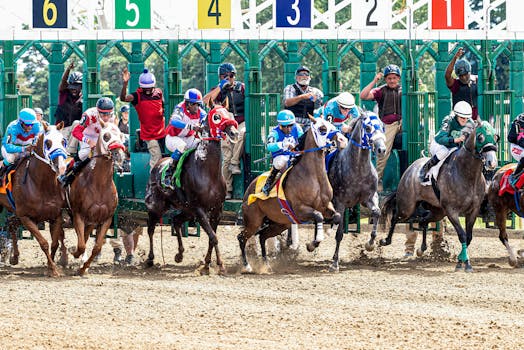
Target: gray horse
x,y
353,176
459,190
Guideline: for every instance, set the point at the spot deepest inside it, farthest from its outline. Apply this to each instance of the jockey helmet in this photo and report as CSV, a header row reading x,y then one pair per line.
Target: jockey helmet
x,y
463,109
74,81
105,105
193,96
146,80
38,110
27,116
462,67
124,108
225,68
285,117
346,100
520,117
391,69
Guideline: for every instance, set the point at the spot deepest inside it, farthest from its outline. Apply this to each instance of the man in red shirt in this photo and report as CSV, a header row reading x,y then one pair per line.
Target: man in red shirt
x,y
149,104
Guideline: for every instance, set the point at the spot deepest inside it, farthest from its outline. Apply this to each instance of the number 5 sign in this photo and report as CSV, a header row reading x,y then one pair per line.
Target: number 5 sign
x,y
132,14
49,13
292,13
447,14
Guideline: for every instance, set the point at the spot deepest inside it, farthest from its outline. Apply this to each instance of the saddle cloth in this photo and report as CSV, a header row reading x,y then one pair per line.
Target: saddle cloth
x,y
435,169
6,184
505,184
261,181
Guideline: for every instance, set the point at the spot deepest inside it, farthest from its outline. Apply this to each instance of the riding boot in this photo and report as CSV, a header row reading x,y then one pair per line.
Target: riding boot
x,y
269,182
425,168
168,180
514,177
69,176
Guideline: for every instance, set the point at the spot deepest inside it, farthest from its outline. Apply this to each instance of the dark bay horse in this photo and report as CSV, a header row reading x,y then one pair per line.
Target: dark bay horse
x,y
202,192
37,195
307,191
459,190
353,176
92,196
502,204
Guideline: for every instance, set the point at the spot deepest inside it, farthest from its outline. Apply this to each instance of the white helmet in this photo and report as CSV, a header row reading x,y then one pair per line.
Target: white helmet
x,y
463,109
346,100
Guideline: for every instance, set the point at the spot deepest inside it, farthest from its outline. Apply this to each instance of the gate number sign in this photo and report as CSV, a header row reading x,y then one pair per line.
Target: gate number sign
x,y
132,14
214,14
447,14
49,13
292,13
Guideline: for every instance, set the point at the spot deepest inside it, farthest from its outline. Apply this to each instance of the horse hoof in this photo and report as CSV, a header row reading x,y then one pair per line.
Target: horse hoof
x,y
310,247
468,268
458,267
384,242
150,263
13,260
204,271
420,252
179,257
246,269
266,269
53,273
334,268
512,262
222,270
369,247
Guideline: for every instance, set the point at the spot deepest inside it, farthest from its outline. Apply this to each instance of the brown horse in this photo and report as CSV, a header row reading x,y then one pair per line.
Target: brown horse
x,y
92,196
202,188
36,194
307,190
502,205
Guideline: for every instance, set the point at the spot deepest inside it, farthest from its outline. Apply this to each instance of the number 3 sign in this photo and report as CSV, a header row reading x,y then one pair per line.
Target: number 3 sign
x,y
371,14
292,14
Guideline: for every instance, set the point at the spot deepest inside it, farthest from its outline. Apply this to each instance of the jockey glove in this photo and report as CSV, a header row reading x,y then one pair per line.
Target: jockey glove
x,y
224,83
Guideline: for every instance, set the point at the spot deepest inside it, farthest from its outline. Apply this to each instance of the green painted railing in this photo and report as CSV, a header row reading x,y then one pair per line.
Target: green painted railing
x,y
498,107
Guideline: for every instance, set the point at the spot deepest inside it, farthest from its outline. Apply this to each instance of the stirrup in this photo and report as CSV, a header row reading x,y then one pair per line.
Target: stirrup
x,y
266,190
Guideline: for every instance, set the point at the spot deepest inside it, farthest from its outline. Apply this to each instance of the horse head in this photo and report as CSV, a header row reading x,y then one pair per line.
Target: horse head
x,y
222,124
51,147
111,144
486,144
323,132
368,133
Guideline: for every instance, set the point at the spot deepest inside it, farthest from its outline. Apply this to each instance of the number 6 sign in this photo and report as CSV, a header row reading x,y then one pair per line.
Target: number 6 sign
x,y
49,13
292,13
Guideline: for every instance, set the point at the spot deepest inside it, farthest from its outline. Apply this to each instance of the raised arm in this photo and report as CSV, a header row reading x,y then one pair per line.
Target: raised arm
x,y
63,82
124,97
449,69
366,94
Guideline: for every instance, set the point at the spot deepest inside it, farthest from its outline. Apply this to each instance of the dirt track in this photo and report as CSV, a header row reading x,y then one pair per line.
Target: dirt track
x,y
377,301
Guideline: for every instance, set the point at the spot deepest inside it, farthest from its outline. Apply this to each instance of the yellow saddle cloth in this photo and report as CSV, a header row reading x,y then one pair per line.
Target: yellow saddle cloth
x,y
261,181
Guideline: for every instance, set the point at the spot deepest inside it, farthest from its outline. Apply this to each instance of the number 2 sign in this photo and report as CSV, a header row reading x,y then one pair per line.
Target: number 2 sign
x,y
371,14
292,13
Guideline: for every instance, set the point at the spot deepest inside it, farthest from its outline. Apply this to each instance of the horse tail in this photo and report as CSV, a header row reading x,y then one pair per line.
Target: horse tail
x,y
388,209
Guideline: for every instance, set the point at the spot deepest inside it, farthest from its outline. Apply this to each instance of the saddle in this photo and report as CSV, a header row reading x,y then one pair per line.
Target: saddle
x,y
168,171
505,183
276,191
435,169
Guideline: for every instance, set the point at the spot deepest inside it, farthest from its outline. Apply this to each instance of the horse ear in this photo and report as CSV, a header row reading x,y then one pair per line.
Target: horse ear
x,y
60,126
45,125
311,118
102,124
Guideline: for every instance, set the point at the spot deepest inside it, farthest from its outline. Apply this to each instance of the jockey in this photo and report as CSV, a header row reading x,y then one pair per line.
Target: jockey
x,y
516,142
339,110
183,126
20,135
451,134
281,140
87,133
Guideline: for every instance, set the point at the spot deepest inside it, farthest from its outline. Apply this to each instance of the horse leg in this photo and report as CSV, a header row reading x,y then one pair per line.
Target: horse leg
x,y
319,231
78,223
423,246
44,245
463,256
153,219
214,221
63,249
100,239
375,215
12,227
213,242
57,236
338,237
180,255
500,222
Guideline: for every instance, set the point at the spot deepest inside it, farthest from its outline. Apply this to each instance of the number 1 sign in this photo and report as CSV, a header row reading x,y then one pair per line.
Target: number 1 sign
x,y
292,13
447,14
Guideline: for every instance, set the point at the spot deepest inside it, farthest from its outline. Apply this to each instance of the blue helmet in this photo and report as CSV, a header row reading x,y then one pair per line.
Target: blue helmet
x,y
193,96
27,116
462,67
302,69
391,69
226,68
124,108
146,80
105,105
285,117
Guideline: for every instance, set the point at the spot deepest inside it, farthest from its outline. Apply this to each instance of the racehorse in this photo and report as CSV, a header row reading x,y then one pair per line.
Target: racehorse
x,y
92,196
202,189
502,204
354,178
36,194
307,191
459,190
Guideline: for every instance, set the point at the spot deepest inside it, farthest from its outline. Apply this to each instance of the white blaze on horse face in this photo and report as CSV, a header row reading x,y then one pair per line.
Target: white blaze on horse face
x,y
321,137
110,135
54,149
